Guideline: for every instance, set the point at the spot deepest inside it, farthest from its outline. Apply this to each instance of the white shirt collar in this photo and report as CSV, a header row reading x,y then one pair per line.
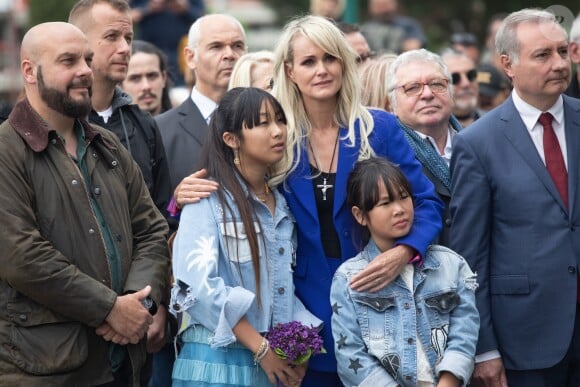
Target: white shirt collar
x,y
205,104
448,144
531,114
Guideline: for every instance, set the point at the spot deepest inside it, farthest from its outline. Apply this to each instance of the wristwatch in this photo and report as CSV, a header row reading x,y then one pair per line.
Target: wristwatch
x,y
150,305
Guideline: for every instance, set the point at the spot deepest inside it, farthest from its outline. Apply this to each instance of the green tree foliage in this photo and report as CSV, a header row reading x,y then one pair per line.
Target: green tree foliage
x,y
41,11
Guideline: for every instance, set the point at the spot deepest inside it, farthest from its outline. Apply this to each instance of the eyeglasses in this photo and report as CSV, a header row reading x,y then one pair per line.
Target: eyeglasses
x,y
437,86
363,57
456,77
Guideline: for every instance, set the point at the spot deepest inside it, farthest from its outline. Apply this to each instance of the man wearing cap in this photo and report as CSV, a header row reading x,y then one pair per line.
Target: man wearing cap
x,y
494,87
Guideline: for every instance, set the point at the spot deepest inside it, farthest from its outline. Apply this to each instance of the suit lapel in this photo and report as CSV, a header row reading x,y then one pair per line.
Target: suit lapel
x,y
300,183
518,135
347,157
572,128
192,122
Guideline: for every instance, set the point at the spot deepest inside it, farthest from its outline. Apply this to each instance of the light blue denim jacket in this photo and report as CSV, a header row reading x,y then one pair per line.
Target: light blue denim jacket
x,y
213,271
375,333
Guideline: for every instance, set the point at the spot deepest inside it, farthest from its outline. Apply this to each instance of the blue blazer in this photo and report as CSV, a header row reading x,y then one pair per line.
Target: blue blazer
x,y
510,224
313,273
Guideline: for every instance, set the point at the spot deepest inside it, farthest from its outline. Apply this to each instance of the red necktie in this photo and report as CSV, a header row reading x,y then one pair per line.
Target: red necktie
x,y
553,155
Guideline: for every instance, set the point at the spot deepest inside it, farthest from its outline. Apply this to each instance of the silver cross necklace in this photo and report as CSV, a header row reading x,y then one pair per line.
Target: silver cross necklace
x,y
325,186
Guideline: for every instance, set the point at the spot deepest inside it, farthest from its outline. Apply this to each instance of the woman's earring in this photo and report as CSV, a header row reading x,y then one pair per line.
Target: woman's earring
x,y
236,157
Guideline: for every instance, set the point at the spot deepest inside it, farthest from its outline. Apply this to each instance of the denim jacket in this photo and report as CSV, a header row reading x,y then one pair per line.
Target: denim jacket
x,y
214,275
375,333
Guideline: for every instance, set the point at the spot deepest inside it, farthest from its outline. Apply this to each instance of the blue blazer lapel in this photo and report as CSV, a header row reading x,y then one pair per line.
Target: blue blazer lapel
x,y
347,157
518,135
298,183
572,127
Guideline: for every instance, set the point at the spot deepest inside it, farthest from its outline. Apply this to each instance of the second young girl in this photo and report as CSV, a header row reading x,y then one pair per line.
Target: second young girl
x,y
421,329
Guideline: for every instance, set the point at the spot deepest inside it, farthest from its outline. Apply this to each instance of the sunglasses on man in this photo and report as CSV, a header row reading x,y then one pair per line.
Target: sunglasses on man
x,y
470,75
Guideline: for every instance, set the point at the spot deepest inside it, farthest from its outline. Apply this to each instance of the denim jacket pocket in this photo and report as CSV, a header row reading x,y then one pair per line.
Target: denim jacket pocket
x,y
236,241
371,316
379,304
444,302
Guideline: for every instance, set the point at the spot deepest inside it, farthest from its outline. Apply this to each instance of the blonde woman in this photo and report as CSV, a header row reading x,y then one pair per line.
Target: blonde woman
x,y
254,69
329,129
374,82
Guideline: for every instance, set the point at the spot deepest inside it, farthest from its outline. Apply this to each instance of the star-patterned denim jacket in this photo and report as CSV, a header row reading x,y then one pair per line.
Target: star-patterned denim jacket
x,y
375,333
213,271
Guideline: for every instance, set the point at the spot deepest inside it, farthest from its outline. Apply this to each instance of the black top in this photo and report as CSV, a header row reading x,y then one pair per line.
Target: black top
x,y
328,234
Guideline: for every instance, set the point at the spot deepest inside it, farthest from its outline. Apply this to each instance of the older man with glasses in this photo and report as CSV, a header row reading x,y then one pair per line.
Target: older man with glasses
x,y
421,97
465,87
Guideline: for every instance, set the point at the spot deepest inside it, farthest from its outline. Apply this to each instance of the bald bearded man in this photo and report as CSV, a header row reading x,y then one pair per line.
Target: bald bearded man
x,y
83,251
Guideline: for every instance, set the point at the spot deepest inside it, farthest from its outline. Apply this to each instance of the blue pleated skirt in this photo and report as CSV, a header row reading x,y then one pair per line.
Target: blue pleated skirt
x,y
200,365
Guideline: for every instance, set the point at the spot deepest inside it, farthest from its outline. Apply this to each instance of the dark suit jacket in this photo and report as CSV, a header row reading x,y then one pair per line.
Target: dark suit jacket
x,y
511,225
183,130
445,195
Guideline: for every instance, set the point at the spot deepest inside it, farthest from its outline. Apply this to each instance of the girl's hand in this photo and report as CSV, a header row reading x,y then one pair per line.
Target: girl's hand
x,y
447,379
277,368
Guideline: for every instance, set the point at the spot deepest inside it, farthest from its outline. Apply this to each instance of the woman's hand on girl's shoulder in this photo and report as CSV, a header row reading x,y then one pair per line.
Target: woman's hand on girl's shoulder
x,y
193,188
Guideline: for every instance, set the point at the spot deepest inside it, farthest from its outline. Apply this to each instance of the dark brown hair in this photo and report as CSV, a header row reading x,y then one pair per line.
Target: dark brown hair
x,y
362,187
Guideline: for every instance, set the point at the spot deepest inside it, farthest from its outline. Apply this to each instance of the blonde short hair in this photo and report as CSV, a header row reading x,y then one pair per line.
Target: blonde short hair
x,y
242,72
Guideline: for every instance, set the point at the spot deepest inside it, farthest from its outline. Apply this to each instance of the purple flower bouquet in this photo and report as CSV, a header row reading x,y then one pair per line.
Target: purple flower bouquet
x,y
295,342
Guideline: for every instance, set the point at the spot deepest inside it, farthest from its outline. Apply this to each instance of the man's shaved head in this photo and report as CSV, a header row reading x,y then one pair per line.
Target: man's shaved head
x,y
55,65
43,37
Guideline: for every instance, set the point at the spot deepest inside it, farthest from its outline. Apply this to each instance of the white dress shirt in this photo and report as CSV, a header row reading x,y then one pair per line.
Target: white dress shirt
x,y
530,116
205,104
448,144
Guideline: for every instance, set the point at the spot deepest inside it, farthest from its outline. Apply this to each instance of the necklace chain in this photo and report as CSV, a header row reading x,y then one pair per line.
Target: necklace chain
x,y
263,196
333,154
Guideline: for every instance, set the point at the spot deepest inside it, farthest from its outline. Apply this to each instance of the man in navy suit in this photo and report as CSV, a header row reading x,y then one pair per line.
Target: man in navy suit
x,y
515,208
